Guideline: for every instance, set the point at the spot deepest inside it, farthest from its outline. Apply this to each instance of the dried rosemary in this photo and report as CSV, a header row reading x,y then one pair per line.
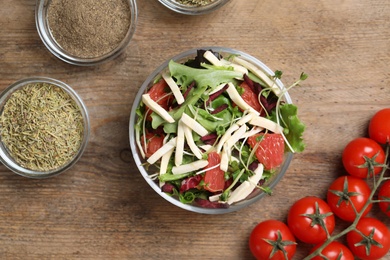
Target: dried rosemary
x,y
89,28
195,2
41,127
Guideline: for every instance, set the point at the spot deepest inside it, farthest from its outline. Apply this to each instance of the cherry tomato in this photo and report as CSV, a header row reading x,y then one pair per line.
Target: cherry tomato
x,y
350,187
379,126
384,194
214,179
272,240
153,143
362,156
250,97
334,251
311,220
375,242
270,151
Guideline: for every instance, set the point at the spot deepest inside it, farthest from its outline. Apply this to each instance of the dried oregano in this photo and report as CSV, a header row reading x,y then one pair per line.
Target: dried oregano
x,y
41,127
195,2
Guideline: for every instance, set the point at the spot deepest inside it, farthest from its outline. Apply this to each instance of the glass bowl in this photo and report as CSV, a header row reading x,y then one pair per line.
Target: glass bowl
x,y
257,194
36,134
46,35
192,9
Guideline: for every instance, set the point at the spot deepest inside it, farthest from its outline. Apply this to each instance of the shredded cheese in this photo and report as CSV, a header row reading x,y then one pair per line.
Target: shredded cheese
x,y
163,150
246,188
194,125
174,87
153,105
190,167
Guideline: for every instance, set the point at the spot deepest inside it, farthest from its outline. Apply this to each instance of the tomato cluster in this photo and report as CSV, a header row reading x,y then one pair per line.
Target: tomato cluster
x,y
349,198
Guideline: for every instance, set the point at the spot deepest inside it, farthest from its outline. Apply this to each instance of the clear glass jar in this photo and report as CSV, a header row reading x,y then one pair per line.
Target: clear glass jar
x,y
41,20
257,194
5,156
193,10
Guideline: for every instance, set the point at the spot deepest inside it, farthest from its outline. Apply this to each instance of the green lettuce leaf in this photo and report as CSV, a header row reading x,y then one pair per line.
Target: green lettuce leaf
x,y
210,77
293,127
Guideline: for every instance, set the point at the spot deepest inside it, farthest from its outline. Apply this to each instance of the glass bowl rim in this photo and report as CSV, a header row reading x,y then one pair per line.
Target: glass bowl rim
x,y
138,161
193,10
7,160
60,53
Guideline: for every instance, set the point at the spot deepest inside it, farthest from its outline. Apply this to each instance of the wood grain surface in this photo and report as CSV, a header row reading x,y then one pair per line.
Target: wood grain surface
x,y
103,209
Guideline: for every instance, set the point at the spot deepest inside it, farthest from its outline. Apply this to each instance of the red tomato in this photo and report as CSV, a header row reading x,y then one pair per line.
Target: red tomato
x,y
334,251
270,152
311,220
153,143
379,126
384,194
250,97
362,156
350,187
214,179
272,240
159,93
375,242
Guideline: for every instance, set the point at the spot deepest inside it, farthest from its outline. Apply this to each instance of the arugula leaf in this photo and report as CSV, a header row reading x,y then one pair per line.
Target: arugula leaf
x,y
293,127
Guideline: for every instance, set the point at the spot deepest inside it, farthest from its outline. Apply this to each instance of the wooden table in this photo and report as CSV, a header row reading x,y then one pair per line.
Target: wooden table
x,y
103,209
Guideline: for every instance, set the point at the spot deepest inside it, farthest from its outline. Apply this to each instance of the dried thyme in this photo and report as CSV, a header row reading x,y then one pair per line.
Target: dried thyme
x,y
195,2
89,28
41,127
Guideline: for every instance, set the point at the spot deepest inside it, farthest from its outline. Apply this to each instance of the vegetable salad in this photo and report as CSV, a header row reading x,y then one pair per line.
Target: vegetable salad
x,y
215,128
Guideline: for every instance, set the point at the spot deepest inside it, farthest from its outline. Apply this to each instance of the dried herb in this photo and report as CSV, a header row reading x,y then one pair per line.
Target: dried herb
x,y
41,127
89,28
195,2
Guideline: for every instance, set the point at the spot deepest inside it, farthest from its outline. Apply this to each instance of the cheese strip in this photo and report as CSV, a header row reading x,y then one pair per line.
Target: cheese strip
x,y
190,167
174,87
236,67
194,125
225,155
236,136
253,131
225,137
267,124
208,55
164,161
245,119
148,101
163,150
190,141
206,147
238,100
259,73
214,198
179,144
246,188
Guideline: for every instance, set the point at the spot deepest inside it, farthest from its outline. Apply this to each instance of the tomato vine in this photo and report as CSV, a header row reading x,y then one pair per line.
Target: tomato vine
x,y
377,181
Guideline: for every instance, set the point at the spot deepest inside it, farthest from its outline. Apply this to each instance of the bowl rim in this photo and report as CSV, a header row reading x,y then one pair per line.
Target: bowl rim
x,y
7,160
193,10
138,161
50,43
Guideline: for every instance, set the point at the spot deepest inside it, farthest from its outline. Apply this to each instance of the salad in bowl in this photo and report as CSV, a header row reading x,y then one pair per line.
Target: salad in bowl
x,y
213,130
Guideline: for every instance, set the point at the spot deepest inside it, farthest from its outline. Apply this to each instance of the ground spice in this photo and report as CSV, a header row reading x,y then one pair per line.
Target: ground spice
x,y
89,28
41,127
195,2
